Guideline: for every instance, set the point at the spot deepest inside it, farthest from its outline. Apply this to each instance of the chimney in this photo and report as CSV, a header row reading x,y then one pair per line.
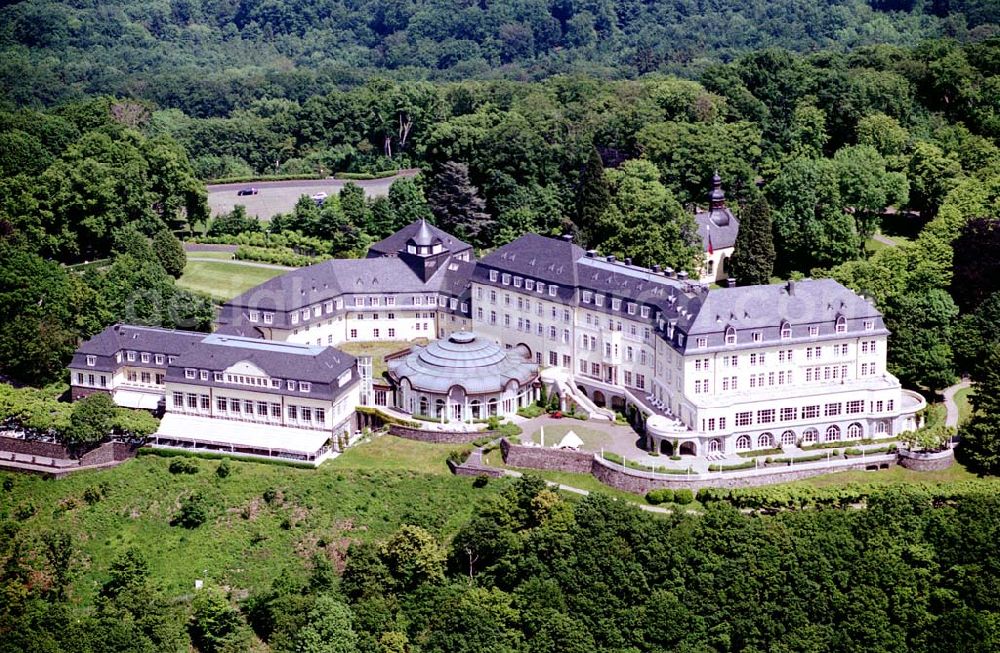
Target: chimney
x,y
567,238
790,286
669,272
731,282
591,253
611,258
682,275
628,260
656,268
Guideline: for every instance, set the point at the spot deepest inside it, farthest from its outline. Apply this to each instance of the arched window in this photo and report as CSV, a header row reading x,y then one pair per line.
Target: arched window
x,y
423,405
730,336
881,428
855,431
743,442
786,330
809,436
765,441
714,446
833,433
788,438
439,408
710,266
841,324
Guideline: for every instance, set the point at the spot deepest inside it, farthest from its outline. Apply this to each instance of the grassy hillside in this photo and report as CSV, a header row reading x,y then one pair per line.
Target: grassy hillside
x,y
246,541
224,279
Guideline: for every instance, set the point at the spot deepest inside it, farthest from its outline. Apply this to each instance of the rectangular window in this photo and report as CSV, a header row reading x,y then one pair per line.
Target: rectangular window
x,y
505,279
189,373
144,357
553,290
268,318
221,404
204,375
744,418
203,402
810,412
91,361
814,331
832,409
293,412
702,343
79,378
145,377
276,410
178,399
855,406
788,414
291,384
234,406
254,316
306,414
130,355
305,386
493,275
765,416
553,358
159,359
320,415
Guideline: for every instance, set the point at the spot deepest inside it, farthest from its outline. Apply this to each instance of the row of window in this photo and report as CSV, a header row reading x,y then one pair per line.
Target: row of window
x,y
246,379
791,413
785,332
616,304
100,381
809,436
528,284
132,356
249,408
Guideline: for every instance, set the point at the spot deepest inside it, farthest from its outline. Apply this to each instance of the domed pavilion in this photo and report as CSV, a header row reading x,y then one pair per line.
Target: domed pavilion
x,y
462,378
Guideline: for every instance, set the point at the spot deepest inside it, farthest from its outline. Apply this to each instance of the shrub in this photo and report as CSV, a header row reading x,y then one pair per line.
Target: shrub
x,y
675,457
92,495
8,484
683,496
662,495
760,452
224,469
270,494
183,466
481,481
530,411
193,512
479,442
459,456
493,423
747,464
510,430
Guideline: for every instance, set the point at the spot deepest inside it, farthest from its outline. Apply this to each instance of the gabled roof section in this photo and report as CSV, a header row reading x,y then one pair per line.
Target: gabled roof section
x,y
391,245
551,260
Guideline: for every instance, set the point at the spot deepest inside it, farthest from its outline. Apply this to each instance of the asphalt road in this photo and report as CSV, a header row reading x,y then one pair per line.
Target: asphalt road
x,y
280,196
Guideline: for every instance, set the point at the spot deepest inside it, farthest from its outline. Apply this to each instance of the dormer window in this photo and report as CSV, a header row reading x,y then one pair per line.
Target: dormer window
x,y
553,290
218,377
291,385
587,296
616,304
305,386
254,316
517,282
786,330
529,284
814,331
189,373
130,355
305,314
841,325
91,361
373,301
599,300
730,336
275,383
144,357
631,308
204,375
702,343
268,318
540,287
505,279
644,312
171,359
359,301
756,336
295,318
869,325
493,275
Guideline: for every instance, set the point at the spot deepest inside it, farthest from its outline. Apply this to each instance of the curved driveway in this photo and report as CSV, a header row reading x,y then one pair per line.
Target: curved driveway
x,y
280,196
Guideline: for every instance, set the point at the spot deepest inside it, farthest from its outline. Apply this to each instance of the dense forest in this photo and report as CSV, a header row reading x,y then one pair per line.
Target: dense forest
x,y
208,57
906,570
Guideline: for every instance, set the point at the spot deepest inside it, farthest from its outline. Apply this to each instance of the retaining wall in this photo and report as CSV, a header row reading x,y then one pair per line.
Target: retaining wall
x,y
78,392
563,460
104,453
33,447
441,437
926,462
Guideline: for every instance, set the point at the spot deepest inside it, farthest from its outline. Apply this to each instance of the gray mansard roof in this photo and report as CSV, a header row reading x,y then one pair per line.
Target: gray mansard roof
x,y
719,224
125,337
391,245
320,366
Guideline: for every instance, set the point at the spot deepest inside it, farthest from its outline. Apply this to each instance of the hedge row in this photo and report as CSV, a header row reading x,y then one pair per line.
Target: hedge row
x,y
365,176
252,178
760,452
748,464
210,455
283,256
837,444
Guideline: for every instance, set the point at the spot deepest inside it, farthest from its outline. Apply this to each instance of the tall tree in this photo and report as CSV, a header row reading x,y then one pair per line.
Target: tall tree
x,y
408,205
981,438
170,253
355,206
456,203
592,199
753,256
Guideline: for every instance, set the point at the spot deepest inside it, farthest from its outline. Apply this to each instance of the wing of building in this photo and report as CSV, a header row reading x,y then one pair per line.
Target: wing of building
x,y
717,370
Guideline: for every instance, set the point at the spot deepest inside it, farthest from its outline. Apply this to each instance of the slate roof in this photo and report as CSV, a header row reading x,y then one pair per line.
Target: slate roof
x,y
391,245
320,366
536,257
125,337
723,228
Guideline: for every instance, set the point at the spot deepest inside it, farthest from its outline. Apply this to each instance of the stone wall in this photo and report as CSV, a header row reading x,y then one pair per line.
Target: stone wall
x,y
563,460
926,462
639,482
78,392
109,452
441,437
33,447
473,466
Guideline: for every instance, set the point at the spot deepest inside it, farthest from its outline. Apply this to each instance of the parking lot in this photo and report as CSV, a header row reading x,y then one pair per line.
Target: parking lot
x,y
275,197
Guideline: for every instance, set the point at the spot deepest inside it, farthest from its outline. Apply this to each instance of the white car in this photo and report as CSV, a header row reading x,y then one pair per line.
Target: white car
x,y
319,197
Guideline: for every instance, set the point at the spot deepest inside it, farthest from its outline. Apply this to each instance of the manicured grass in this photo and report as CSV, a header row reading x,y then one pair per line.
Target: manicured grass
x,y
378,351
218,256
246,542
964,405
896,475
593,439
222,280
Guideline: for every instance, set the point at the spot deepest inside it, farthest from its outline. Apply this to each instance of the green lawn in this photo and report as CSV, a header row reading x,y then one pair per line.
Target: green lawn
x,y
896,475
378,351
593,439
964,406
218,256
246,542
222,280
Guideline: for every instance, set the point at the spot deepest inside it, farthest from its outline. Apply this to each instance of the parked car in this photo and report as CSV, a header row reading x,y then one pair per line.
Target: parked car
x,y
247,191
319,197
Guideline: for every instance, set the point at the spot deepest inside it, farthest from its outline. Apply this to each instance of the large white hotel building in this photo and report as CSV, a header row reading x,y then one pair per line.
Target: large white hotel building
x,y
716,370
